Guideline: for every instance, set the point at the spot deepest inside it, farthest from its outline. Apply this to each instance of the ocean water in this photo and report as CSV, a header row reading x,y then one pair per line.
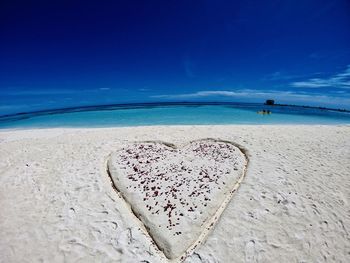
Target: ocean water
x,y
172,114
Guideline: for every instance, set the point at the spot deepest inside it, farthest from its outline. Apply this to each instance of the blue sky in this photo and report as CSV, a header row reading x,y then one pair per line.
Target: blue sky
x,y
67,53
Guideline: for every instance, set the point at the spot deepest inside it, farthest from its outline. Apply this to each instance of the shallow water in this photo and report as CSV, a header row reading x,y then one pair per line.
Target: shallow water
x,y
170,114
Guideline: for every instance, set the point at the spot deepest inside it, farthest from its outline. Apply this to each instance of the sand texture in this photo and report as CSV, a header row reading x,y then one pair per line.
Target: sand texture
x,y
58,203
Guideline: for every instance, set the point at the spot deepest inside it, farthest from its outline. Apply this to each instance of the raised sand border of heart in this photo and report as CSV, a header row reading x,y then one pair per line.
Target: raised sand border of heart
x,y
210,223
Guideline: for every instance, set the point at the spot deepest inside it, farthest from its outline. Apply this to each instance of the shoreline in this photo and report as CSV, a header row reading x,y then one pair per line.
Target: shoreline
x,y
73,128
291,206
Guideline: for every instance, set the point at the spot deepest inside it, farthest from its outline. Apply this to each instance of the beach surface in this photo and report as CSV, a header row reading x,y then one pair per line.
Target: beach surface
x,y
61,201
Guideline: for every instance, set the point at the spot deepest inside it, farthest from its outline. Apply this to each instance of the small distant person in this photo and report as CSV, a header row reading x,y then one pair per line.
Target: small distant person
x,y
264,112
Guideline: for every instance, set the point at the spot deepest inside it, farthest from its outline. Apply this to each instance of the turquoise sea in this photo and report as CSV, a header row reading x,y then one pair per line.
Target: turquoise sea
x,y
172,114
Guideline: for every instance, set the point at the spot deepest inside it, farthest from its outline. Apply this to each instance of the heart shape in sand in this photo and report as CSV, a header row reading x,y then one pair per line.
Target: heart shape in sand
x,y
177,193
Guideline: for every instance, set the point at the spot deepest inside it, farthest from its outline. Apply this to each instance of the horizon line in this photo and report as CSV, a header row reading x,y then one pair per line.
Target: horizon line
x,y
144,104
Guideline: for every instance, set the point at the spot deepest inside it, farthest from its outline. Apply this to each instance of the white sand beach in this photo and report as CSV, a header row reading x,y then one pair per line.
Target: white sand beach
x,y
63,196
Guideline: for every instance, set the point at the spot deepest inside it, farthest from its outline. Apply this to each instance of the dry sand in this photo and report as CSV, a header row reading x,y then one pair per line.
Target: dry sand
x,y
58,204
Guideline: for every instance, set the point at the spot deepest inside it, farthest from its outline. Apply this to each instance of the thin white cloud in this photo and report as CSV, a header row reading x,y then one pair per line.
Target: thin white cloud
x,y
258,95
54,91
340,80
33,92
144,89
279,75
199,94
226,93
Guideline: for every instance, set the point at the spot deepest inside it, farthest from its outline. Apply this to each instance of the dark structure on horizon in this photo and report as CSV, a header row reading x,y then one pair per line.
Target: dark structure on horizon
x,y
270,102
